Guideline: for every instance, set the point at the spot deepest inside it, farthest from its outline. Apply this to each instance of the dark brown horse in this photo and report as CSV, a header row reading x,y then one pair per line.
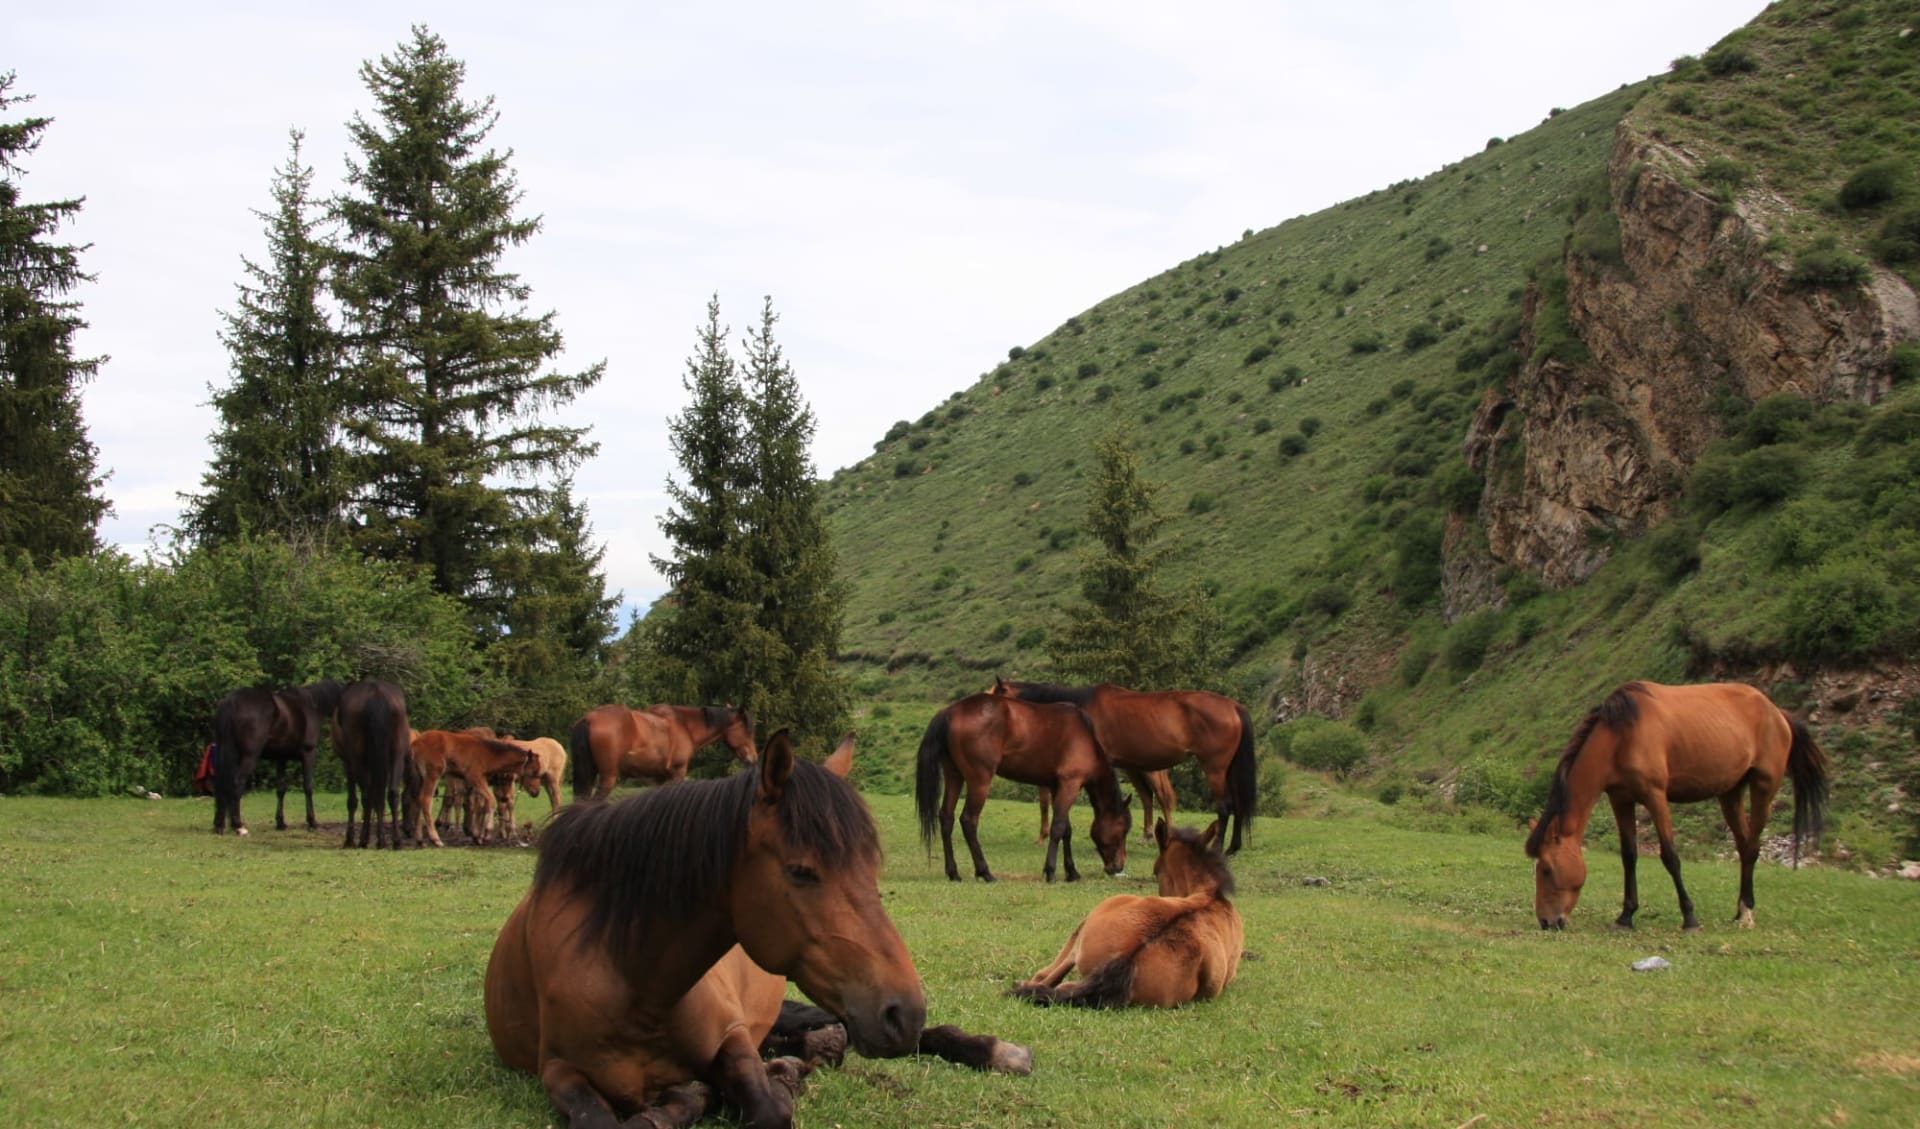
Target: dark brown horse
x,y
1050,746
281,726
1154,952
645,967
473,758
1652,745
370,734
658,743
1156,730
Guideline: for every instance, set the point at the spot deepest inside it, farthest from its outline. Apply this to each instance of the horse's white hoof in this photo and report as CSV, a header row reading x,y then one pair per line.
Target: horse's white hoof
x,y
1011,1058
241,831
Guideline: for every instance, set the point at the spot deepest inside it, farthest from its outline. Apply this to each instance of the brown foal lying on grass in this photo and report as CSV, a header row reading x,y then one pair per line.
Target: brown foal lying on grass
x,y
1156,952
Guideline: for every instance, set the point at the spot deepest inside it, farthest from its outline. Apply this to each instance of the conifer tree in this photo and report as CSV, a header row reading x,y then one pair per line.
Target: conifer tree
x,y
1127,629
710,600
279,464
445,364
48,504
796,630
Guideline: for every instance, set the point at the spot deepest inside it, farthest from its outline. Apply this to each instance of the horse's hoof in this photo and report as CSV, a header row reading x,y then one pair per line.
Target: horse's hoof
x,y
1010,1058
240,831
1623,926
826,1046
790,1073
1744,919
1694,928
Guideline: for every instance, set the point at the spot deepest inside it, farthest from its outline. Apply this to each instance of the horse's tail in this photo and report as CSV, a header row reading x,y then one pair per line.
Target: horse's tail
x,y
1110,985
926,775
1243,782
1807,766
376,751
580,752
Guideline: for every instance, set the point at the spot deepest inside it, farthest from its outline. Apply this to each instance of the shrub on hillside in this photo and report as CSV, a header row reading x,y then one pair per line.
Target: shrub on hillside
x,y
1674,549
1293,446
1366,343
1840,611
1729,58
1087,369
1459,488
1322,745
1469,638
1257,354
1899,239
1780,418
1874,184
1419,337
1415,576
1490,782
1806,530
1827,268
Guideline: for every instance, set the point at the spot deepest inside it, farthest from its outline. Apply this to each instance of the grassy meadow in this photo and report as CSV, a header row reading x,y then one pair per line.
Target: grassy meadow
x,y
151,974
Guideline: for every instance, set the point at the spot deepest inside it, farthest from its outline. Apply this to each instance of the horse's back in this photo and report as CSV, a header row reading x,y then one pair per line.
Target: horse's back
x,y
1712,735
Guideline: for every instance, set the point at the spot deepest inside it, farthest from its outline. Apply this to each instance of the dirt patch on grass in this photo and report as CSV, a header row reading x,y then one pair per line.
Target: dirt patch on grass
x,y
1889,1062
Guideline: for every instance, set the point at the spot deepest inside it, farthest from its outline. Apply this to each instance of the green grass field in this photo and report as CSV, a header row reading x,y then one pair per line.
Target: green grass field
x,y
151,974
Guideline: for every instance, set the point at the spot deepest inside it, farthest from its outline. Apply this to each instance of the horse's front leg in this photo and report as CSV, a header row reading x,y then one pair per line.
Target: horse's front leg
x,y
1670,855
1629,860
1062,835
981,1052
762,1091
572,1093
353,799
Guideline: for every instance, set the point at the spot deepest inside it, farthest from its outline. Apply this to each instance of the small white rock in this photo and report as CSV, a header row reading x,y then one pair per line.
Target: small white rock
x,y
1650,964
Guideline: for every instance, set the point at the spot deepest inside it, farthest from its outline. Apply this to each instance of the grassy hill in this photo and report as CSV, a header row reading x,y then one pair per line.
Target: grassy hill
x,y
1302,397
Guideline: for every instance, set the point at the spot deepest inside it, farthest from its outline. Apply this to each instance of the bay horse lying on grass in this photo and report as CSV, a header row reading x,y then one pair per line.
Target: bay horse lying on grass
x,y
281,726
1155,730
371,736
1154,952
1652,745
657,743
1049,745
640,974
471,757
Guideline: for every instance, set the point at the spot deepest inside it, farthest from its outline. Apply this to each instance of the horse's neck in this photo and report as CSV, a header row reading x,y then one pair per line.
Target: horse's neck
x,y
1588,777
679,954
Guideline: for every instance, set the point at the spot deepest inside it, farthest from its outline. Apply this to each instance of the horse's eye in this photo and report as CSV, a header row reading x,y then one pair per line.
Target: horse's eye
x,y
1546,872
802,875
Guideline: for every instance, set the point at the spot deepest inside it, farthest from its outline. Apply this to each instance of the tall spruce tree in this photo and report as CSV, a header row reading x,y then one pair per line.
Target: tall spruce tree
x,y
279,464
796,630
1128,629
445,364
711,599
48,504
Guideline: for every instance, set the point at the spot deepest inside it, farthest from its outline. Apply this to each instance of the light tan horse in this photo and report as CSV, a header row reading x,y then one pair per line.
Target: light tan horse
x,y
657,743
640,975
1154,952
1652,745
471,757
546,767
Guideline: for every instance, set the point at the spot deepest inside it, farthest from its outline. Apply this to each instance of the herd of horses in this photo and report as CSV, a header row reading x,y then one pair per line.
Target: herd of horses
x,y
642,978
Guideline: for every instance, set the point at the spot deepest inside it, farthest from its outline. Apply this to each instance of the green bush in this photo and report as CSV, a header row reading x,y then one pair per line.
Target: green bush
x,y
1903,363
1490,782
1806,530
1309,426
1293,446
1840,611
1257,354
1728,59
1366,343
1780,418
1087,369
1324,746
1329,600
1674,549
1873,185
1725,172
1898,241
1827,268
1415,577
1200,503
1415,660
1469,638
1459,488
1419,337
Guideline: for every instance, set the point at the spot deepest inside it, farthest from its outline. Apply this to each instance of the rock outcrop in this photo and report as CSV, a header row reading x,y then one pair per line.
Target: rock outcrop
x,y
1574,454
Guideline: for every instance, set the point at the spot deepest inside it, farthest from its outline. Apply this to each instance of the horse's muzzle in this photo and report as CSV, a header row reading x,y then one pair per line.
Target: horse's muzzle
x,y
1555,925
890,1029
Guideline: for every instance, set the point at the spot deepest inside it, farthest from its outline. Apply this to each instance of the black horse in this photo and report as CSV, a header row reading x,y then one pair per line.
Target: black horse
x,y
370,735
281,726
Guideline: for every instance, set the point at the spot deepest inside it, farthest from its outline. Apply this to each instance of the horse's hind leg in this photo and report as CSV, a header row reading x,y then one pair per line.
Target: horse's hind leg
x,y
280,786
949,798
352,805
1656,803
1746,840
1629,859
970,824
306,782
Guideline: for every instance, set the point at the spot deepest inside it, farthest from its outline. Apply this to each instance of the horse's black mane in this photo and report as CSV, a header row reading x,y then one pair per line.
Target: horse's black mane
x,y
1211,859
717,717
1618,713
1053,692
664,853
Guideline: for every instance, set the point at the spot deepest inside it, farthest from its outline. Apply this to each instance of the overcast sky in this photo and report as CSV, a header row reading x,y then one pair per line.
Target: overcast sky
x,y
918,186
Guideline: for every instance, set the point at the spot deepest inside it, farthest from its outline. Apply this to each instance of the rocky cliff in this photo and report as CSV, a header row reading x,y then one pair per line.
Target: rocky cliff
x,y
1694,308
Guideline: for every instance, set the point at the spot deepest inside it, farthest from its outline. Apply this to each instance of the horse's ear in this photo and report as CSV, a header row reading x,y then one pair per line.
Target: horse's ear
x,y
1532,823
776,767
1126,799
1210,838
1161,834
840,761
999,686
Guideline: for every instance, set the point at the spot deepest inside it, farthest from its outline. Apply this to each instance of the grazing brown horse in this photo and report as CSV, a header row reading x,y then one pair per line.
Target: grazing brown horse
x,y
644,968
657,742
1652,745
371,736
471,757
1050,746
1156,730
1154,952
282,726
